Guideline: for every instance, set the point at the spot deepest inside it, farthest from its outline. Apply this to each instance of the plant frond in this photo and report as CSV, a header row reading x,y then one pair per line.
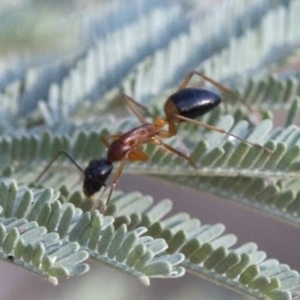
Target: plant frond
x,y
29,246
72,81
57,96
73,236
215,155
209,253
271,93
146,77
244,269
225,168
276,199
233,63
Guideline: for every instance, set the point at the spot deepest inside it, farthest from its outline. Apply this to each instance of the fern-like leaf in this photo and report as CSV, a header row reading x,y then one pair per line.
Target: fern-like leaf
x,y
70,236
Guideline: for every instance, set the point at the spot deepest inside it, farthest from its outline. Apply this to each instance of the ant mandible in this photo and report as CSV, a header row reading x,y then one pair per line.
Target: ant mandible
x,y
183,106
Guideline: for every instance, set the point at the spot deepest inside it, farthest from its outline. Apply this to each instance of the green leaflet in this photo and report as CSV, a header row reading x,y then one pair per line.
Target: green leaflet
x,y
29,246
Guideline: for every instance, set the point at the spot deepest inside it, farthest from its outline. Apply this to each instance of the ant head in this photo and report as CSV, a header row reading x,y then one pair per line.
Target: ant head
x,y
95,175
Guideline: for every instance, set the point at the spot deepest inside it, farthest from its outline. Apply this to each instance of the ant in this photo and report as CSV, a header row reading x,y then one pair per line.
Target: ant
x,y
183,106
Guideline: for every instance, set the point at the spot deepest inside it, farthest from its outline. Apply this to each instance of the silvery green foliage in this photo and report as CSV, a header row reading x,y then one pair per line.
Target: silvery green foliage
x,y
144,49
52,240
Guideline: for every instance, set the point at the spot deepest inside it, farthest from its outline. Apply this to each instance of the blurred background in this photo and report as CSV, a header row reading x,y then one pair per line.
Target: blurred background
x,y
53,37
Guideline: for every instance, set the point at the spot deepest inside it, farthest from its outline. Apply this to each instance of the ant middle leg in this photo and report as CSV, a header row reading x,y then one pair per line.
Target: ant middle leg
x,y
167,147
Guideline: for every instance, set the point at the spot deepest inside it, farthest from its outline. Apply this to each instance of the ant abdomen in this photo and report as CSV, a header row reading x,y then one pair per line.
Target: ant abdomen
x,y
191,103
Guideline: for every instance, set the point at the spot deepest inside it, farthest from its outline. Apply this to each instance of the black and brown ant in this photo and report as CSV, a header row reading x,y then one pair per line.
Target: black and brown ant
x,y
183,106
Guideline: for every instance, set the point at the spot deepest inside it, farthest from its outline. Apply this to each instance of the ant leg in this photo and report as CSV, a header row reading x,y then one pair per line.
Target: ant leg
x,y
131,103
133,155
96,202
215,83
222,131
189,76
158,121
116,179
137,155
54,159
105,139
159,142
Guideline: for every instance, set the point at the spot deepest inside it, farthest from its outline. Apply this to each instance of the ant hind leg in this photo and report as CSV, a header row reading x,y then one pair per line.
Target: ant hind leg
x,y
222,131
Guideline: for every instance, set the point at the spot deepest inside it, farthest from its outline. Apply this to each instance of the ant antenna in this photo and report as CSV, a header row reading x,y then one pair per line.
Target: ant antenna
x,y
54,159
